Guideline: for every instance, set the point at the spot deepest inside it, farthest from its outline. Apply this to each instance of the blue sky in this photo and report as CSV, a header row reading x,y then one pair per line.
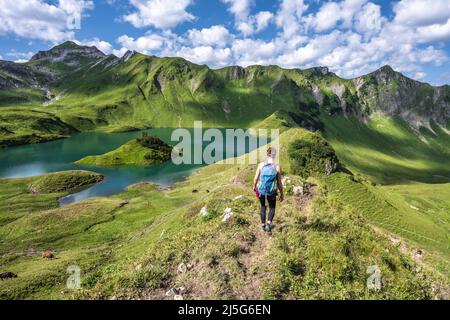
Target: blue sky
x,y
351,37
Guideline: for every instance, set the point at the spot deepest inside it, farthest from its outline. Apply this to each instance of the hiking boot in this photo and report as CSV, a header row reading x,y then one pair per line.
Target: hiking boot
x,y
268,228
263,226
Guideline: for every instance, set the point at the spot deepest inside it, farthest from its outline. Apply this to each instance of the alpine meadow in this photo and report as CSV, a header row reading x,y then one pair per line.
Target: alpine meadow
x,y
366,179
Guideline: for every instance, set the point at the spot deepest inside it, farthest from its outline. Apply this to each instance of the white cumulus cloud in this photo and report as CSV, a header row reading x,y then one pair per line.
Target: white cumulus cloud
x,y
103,46
213,36
214,57
245,22
289,15
351,37
421,12
37,19
161,14
333,14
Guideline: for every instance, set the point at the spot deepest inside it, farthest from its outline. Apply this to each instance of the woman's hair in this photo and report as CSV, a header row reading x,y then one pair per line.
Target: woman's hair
x,y
271,152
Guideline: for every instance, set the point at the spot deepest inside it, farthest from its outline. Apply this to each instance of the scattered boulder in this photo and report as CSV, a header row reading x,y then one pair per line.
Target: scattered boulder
x,y
178,297
194,191
286,181
418,254
297,190
123,203
48,255
227,214
33,190
174,292
171,292
182,268
330,166
7,275
204,212
396,242
297,186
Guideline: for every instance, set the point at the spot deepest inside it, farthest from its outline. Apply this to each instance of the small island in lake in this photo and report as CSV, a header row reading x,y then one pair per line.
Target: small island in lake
x,y
146,150
62,182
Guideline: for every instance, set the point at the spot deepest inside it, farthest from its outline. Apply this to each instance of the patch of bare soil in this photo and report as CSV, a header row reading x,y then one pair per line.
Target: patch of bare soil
x,y
254,264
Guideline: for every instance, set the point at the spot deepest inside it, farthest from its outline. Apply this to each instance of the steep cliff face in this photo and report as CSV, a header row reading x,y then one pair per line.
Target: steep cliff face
x,y
14,75
391,93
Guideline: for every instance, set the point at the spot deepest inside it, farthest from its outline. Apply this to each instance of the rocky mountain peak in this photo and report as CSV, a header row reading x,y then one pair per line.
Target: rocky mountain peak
x,y
386,69
386,74
67,52
128,55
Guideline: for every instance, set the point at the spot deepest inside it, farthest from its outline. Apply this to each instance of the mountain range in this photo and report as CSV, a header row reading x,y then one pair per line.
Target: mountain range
x,y
385,210
72,88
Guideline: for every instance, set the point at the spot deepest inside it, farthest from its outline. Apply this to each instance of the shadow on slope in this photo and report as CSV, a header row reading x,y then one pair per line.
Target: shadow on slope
x,y
388,151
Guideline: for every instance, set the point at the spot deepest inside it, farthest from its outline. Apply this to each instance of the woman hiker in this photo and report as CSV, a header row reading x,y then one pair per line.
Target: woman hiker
x,y
266,183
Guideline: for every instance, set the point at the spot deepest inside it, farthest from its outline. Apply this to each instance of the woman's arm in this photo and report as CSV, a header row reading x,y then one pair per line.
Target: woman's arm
x,y
279,183
255,180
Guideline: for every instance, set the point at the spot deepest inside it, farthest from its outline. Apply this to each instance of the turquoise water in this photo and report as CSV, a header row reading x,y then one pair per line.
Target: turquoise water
x,y
37,159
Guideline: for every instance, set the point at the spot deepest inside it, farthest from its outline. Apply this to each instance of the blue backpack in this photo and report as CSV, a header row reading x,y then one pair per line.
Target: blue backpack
x,y
267,184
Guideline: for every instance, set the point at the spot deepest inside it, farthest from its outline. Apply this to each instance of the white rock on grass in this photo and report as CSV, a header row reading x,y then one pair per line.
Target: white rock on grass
x,y
227,214
297,190
182,268
203,212
175,291
171,292
418,254
238,197
286,181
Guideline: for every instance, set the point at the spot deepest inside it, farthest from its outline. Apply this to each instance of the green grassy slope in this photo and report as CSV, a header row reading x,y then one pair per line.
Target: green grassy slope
x,y
150,91
130,245
22,126
97,92
388,151
131,152
22,196
170,92
65,181
413,171
383,207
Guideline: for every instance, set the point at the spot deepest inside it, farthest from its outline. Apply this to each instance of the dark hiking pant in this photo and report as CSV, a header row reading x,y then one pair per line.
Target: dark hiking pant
x,y
272,203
